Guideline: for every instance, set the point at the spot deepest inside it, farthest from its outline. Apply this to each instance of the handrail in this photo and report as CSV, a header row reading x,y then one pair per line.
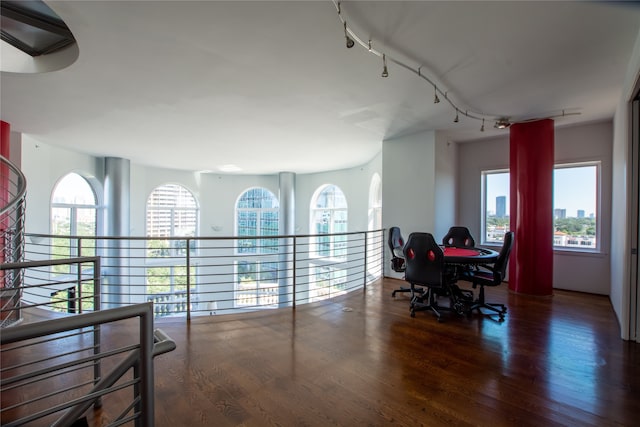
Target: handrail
x,y
21,185
209,275
152,343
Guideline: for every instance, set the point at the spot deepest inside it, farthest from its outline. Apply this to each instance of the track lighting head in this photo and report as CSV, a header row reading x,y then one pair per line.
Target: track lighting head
x,y
502,123
482,127
385,72
349,40
435,96
456,120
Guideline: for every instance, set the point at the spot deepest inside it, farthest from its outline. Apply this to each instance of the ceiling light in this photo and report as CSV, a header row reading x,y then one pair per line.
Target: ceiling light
x,y
456,120
350,42
229,168
435,95
385,72
482,127
502,123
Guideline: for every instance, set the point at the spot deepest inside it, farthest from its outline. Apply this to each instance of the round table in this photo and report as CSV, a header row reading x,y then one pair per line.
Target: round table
x,y
469,256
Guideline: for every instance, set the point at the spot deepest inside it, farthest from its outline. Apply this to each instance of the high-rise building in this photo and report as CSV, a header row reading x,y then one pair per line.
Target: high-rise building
x,y
560,213
501,206
580,213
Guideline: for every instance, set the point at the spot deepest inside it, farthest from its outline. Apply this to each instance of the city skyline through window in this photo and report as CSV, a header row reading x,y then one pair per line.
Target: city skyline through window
x,y
575,205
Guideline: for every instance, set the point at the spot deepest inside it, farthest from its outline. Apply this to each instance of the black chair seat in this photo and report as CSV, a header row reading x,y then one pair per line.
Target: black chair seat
x,y
491,275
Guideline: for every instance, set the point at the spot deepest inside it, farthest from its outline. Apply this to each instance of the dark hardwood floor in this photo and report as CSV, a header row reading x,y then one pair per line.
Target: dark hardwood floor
x,y
361,360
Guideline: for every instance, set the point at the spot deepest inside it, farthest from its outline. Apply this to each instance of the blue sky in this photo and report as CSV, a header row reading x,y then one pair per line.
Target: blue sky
x,y
575,188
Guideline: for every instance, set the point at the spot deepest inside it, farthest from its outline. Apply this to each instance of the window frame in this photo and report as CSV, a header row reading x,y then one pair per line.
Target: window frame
x,y
337,246
556,166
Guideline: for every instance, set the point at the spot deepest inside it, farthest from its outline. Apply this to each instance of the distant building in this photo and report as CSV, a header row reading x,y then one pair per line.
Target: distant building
x,y
501,206
559,213
580,213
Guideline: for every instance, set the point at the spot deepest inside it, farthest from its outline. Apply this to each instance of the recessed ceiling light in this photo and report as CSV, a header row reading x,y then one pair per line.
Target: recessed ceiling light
x,y
229,168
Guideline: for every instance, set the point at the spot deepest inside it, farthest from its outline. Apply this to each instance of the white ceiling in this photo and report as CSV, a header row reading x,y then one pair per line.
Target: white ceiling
x,y
270,86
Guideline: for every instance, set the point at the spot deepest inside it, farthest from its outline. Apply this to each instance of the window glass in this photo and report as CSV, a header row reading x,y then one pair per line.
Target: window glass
x,y
329,216
172,211
575,206
496,205
257,214
73,213
575,201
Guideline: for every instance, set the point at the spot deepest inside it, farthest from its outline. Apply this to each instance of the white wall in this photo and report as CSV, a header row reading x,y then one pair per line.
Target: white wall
x,y
620,249
572,271
44,165
418,185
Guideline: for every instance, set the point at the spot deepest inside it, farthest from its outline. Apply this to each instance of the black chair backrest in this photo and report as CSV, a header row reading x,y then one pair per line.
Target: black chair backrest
x,y
396,242
459,237
424,260
500,266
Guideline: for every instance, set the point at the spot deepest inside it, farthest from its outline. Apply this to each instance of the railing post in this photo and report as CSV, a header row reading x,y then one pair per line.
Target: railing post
x,y
146,369
366,247
188,280
97,365
295,264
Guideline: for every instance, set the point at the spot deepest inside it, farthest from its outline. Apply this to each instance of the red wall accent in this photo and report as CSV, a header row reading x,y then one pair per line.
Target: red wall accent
x,y
5,144
531,159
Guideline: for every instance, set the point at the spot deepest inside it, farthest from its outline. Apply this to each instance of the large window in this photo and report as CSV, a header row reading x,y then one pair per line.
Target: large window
x,y
374,251
172,212
328,216
257,214
73,213
575,205
495,186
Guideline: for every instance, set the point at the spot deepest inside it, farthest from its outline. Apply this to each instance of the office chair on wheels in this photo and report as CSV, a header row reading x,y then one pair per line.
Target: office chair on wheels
x,y
460,237
396,243
425,270
492,275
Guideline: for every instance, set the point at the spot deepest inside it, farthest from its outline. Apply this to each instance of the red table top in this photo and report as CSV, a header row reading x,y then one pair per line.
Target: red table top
x,y
455,255
453,251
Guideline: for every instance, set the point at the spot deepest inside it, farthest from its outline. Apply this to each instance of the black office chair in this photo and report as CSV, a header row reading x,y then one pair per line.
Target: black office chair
x,y
492,275
459,237
424,270
396,243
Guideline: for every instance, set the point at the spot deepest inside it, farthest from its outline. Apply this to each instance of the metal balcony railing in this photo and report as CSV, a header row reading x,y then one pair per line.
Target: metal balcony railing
x,y
12,209
199,275
53,371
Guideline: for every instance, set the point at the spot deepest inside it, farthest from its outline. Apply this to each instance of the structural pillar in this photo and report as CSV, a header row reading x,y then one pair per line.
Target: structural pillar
x,y
531,159
117,188
287,226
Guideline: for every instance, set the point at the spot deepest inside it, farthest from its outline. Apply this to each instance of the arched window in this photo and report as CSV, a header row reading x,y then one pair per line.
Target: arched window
x,y
374,242
328,216
257,214
172,211
74,210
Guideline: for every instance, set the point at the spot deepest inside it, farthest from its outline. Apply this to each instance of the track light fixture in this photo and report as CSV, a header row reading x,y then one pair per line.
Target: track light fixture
x,y
350,42
351,38
385,72
502,123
